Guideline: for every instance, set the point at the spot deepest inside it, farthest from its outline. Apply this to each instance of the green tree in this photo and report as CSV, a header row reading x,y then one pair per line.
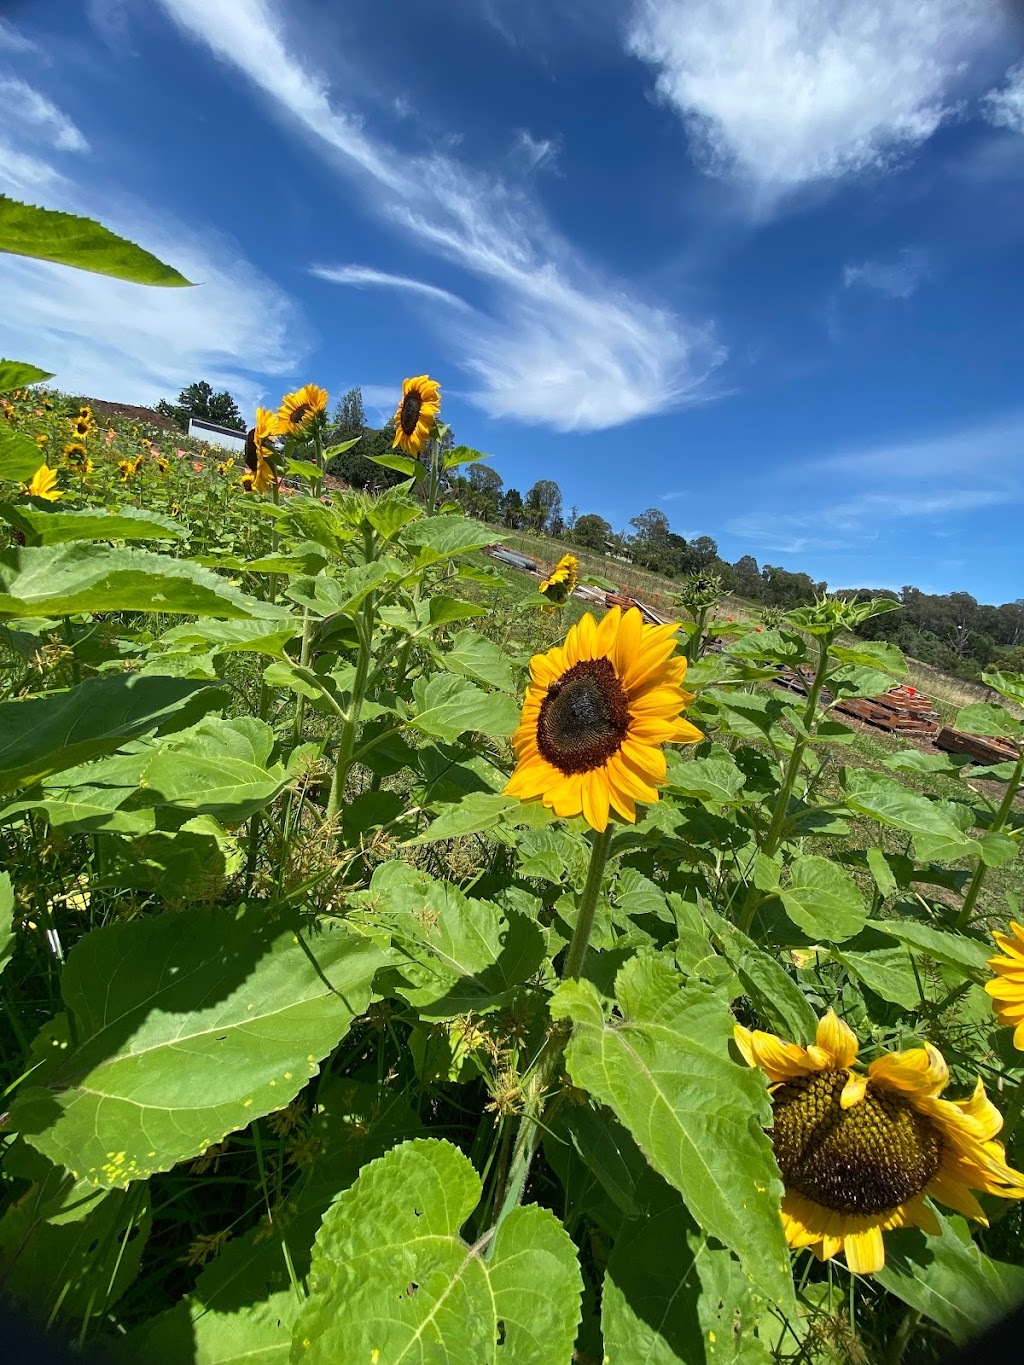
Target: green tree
x,y
543,503
704,551
349,416
591,532
357,468
649,546
200,401
510,509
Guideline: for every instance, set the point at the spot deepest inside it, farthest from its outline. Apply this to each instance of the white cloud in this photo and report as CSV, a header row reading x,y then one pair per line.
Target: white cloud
x,y
111,339
361,276
13,41
897,279
23,110
787,92
560,346
1005,107
535,153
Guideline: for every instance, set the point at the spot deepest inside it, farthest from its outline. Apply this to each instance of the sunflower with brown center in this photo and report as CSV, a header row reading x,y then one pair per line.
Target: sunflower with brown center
x,y
596,713
259,452
859,1154
82,427
416,415
560,585
298,411
1007,986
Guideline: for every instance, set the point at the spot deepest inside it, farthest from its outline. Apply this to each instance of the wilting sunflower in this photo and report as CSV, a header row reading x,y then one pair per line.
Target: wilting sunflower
x,y
43,484
860,1153
561,583
259,450
1007,987
416,415
298,410
596,713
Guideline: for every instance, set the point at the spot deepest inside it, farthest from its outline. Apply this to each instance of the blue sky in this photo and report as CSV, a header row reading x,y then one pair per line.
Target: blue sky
x,y
755,262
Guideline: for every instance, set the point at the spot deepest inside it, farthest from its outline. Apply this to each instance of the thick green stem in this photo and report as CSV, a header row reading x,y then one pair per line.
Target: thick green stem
x,y
350,726
773,838
546,1067
963,919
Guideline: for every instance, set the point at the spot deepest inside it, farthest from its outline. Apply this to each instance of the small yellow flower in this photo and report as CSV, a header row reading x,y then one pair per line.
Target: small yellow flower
x,y
83,428
298,410
43,484
248,481
259,451
129,468
41,440
561,584
416,415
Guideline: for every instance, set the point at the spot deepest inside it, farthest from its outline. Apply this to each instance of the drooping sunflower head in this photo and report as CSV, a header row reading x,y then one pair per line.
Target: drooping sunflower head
x,y
860,1153
596,713
1007,986
43,484
416,414
298,411
560,585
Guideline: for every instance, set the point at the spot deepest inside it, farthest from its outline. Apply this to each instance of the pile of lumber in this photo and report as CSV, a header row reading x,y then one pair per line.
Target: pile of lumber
x,y
982,748
617,599
901,711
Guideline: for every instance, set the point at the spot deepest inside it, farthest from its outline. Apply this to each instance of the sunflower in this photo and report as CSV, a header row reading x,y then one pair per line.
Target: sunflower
x,y
259,450
162,462
85,413
248,481
596,713
561,584
1007,987
43,484
129,468
298,410
860,1153
82,427
416,415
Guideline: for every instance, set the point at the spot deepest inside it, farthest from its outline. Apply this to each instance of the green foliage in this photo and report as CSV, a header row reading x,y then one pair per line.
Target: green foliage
x,y
69,240
199,400
15,374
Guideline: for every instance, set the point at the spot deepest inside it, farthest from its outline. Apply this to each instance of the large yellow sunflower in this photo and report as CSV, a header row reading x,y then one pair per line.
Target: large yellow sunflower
x,y
561,583
83,427
1007,987
259,452
298,410
43,484
860,1153
416,414
596,713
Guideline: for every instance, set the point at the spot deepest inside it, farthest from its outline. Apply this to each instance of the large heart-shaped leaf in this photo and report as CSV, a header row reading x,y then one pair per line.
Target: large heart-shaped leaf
x,y
447,707
663,1066
824,900
181,1028
392,1280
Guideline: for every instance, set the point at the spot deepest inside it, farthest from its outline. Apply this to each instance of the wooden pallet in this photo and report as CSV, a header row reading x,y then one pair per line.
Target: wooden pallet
x,y
981,748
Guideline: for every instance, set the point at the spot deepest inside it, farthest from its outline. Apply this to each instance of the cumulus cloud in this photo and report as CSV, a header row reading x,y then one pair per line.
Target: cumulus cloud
x,y
896,279
1005,107
788,92
558,344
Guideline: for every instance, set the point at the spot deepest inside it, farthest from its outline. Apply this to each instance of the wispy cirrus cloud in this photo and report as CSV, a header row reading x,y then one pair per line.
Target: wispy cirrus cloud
x,y
553,333
364,276
896,279
24,108
787,92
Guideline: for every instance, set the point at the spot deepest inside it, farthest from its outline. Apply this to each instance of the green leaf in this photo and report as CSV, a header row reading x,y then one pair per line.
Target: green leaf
x,y
67,580
20,457
304,469
989,718
218,767
775,994
403,463
452,954
258,1333
664,1069
391,1279
234,637
824,900
855,681
447,707
333,596
390,512
59,527
891,804
949,1280
475,812
784,647
7,938
43,735
181,1028
1008,685
715,780
473,656
954,949
69,240
341,447
889,972
446,609
434,539
914,761
16,374
881,871
67,1249
871,654
670,1299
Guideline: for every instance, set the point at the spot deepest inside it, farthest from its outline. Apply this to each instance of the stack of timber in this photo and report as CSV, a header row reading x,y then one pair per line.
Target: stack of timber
x,y
982,748
901,711
652,617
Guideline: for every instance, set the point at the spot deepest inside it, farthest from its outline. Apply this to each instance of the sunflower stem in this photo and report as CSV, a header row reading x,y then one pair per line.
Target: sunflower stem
x,y
350,726
546,1066
963,919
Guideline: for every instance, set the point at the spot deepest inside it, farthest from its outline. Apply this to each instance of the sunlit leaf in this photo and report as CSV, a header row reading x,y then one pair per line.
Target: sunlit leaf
x,y
476,657
6,919
824,900
69,240
447,707
16,374
67,524
20,457
182,1027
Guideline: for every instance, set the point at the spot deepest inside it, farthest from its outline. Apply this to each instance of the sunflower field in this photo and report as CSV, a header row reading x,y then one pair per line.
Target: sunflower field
x,y
401,964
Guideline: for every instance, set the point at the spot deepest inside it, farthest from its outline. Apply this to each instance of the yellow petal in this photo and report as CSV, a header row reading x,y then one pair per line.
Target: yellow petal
x,y
865,1251
838,1040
